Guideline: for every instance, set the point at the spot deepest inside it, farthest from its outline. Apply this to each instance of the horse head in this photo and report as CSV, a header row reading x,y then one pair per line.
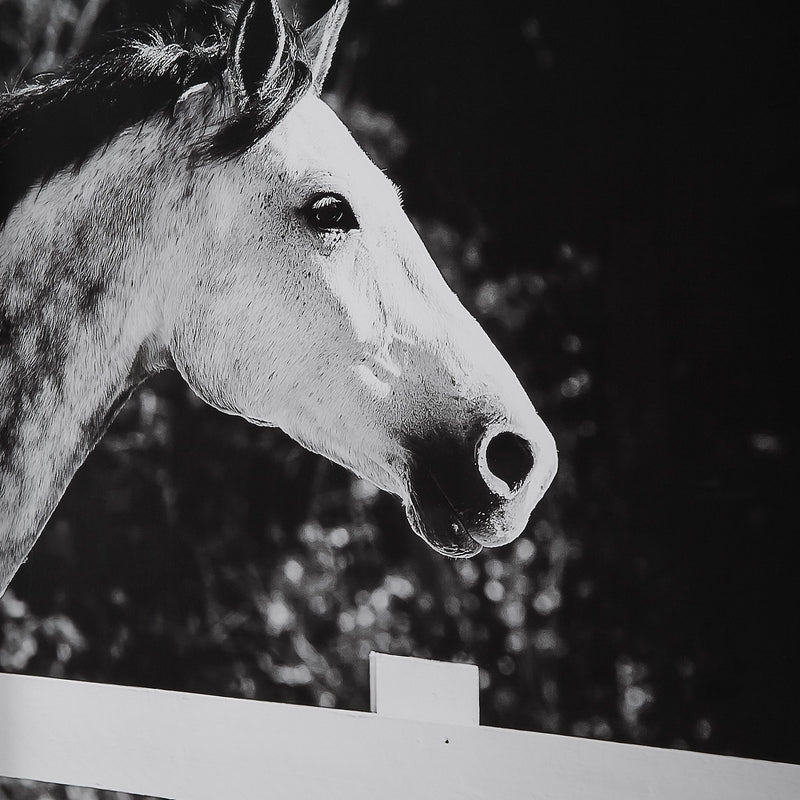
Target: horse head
x,y
312,305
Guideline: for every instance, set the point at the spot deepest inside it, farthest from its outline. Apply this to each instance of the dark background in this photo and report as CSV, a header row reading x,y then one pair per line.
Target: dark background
x,y
613,191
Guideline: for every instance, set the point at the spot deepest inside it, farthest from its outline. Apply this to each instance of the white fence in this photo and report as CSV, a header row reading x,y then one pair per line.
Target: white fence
x,y
422,741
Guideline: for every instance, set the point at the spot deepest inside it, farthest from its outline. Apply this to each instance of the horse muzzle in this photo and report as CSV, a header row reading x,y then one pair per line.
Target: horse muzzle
x,y
476,487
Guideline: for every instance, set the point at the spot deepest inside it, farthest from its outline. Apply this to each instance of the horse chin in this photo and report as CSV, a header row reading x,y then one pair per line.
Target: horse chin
x,y
433,518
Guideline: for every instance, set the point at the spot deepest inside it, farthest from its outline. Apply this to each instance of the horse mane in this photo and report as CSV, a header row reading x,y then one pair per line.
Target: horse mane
x,y
58,121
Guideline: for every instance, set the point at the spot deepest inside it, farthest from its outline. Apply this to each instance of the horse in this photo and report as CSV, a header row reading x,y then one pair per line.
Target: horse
x,y
201,209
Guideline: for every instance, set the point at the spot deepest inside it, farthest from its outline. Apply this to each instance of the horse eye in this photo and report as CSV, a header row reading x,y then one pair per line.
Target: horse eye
x,y
329,212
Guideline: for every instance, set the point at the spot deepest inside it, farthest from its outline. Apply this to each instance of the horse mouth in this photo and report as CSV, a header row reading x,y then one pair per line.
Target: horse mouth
x,y
433,518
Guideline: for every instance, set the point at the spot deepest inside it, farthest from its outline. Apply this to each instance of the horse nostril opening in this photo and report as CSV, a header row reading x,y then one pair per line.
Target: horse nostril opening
x,y
509,458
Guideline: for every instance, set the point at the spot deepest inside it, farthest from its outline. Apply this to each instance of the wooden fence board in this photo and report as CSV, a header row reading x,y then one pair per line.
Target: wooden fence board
x,y
197,747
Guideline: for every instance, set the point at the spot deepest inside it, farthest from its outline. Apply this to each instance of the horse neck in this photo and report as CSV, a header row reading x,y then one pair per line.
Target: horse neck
x,y
79,326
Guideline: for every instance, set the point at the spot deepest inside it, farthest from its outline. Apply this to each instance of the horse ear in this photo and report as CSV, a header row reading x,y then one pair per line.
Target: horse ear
x,y
256,45
320,41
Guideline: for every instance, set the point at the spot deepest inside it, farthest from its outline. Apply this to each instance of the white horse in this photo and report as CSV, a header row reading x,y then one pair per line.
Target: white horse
x,y
202,209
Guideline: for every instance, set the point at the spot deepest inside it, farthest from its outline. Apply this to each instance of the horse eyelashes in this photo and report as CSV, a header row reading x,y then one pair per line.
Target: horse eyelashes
x,y
329,212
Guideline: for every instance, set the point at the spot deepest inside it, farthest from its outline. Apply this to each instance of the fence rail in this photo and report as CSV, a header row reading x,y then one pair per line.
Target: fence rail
x,y
422,741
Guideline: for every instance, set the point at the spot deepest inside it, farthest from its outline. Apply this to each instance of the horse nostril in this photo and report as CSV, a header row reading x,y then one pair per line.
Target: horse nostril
x,y
509,458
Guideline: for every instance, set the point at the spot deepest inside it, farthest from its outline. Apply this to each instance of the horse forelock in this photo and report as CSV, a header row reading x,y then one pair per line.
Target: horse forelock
x,y
59,121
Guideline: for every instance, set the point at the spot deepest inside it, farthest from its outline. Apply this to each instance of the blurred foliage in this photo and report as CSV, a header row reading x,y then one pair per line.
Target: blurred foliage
x,y
196,552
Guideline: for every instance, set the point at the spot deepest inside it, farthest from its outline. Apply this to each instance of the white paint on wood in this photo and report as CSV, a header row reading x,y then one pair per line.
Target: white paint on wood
x,y
424,690
195,747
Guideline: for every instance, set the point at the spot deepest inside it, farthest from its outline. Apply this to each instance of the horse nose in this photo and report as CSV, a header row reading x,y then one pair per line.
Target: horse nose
x,y
505,460
478,484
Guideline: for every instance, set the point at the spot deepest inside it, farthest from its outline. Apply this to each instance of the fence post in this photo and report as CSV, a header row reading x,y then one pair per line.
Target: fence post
x,y
423,690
